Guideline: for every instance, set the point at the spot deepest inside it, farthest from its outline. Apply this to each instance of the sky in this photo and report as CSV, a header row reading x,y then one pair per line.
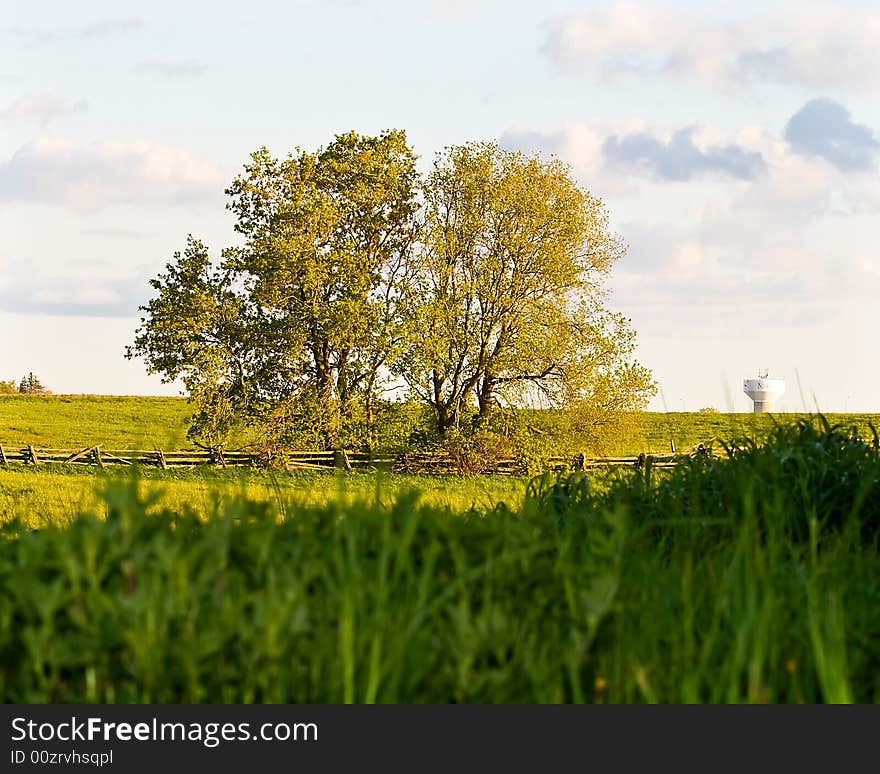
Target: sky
x,y
736,147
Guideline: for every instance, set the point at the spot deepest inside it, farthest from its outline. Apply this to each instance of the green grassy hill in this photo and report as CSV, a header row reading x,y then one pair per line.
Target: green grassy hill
x,y
117,422
688,430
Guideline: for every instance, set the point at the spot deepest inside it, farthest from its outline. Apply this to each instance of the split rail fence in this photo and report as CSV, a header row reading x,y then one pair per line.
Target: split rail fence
x,y
304,460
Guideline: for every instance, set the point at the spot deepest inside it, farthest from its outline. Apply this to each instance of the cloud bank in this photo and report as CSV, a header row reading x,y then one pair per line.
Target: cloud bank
x,y
73,296
40,109
168,68
100,174
818,46
96,30
720,221
679,158
823,128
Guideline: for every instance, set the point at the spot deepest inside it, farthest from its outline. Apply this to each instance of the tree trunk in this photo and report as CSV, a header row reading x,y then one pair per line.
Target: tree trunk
x,y
369,416
329,429
447,418
485,400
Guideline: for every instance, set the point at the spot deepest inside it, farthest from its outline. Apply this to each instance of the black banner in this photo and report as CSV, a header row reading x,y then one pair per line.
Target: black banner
x,y
258,738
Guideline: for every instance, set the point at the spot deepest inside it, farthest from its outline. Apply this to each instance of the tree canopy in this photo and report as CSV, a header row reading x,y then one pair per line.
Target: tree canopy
x,y
507,298
477,284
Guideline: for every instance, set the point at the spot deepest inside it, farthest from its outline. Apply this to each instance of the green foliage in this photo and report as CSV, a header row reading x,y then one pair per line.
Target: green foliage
x,y
396,427
8,388
199,329
292,329
805,471
750,579
478,285
325,254
507,293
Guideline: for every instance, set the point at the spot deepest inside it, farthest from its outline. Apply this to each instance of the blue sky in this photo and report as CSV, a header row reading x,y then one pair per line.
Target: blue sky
x,y
736,148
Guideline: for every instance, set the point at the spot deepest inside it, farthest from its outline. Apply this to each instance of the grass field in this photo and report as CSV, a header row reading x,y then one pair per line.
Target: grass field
x,y
58,494
68,421
750,579
117,422
54,494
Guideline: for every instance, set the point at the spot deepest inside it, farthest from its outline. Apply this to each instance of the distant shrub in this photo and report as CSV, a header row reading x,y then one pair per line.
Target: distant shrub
x,y
31,385
8,388
476,452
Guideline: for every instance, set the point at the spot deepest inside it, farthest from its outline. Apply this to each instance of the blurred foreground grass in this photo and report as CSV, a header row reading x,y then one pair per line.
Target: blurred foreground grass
x,y
750,579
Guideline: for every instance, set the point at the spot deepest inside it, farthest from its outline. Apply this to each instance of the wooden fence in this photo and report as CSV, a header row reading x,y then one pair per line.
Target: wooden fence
x,y
306,460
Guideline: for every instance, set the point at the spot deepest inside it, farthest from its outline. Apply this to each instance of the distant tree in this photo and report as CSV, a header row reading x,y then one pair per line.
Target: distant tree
x,y
8,388
31,385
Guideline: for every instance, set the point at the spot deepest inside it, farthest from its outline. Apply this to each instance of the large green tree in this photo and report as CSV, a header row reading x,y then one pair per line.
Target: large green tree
x,y
326,241
202,329
477,285
297,323
507,298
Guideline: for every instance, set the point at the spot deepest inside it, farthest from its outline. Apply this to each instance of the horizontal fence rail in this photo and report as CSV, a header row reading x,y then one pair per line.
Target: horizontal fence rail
x,y
421,462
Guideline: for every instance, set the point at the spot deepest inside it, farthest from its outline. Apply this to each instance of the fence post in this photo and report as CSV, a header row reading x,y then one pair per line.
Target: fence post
x,y
215,455
340,460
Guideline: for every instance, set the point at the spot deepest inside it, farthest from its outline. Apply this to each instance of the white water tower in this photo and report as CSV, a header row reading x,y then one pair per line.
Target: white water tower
x,y
764,391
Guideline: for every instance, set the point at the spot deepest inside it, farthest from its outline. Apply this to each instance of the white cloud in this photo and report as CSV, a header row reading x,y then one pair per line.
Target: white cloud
x,y
101,29
781,244
614,159
86,177
680,157
172,68
86,32
117,232
689,257
449,7
819,46
824,128
40,109
580,146
77,296
73,296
